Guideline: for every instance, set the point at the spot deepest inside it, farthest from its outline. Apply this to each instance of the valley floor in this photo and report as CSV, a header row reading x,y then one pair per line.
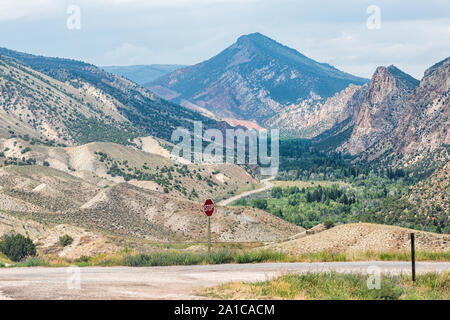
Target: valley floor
x,y
178,282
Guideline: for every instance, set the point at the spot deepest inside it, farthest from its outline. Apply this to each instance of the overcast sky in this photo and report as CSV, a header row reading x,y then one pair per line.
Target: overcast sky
x,y
413,35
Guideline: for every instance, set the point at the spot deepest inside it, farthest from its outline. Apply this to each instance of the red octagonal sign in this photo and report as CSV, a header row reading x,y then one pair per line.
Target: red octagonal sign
x,y
208,207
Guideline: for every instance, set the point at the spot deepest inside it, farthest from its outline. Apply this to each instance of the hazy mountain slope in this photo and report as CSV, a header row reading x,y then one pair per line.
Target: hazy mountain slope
x,y
146,112
142,74
40,106
255,78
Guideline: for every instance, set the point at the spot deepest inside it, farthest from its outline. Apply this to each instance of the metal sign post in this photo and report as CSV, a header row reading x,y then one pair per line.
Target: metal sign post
x,y
208,208
209,234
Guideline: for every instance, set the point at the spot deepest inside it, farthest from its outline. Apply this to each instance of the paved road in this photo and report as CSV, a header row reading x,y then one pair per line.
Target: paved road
x,y
178,282
267,185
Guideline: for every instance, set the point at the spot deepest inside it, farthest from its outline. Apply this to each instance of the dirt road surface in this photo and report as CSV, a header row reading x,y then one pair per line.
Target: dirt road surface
x,y
177,282
267,186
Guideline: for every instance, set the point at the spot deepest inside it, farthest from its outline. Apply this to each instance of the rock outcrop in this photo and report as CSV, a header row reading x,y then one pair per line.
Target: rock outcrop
x,y
382,108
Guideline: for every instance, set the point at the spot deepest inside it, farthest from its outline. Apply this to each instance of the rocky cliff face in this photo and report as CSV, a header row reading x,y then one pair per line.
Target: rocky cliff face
x,y
425,124
254,79
382,108
311,118
401,119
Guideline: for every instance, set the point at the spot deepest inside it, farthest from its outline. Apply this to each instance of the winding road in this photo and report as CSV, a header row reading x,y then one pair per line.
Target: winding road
x,y
177,282
267,185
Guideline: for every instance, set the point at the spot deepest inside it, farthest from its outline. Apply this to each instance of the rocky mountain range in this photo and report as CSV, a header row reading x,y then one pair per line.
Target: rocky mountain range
x,y
258,82
254,79
84,149
394,118
401,118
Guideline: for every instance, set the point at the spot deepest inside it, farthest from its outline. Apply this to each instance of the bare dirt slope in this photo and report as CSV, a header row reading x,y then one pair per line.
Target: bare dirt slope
x,y
357,237
46,238
53,197
106,163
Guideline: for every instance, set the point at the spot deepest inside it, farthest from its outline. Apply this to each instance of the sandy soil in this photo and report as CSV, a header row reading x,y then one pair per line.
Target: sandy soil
x,y
357,237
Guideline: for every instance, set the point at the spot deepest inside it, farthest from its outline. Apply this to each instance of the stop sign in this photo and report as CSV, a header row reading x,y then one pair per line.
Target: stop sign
x,y
208,207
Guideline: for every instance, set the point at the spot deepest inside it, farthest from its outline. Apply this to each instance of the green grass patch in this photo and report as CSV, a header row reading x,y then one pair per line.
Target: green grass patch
x,y
336,286
172,257
216,245
258,256
420,256
325,256
4,259
35,261
189,258
175,257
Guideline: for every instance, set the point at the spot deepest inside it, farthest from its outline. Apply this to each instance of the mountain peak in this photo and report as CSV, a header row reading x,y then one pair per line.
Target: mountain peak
x,y
254,79
441,64
255,36
382,108
395,74
264,43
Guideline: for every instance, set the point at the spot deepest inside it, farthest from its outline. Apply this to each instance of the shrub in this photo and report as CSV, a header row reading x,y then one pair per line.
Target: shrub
x,y
388,291
65,240
240,202
27,149
328,224
260,204
220,256
259,256
16,247
277,192
34,261
83,259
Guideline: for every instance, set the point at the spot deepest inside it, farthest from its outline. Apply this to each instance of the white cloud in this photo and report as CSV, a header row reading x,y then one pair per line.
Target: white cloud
x,y
413,36
163,3
411,45
43,9
31,9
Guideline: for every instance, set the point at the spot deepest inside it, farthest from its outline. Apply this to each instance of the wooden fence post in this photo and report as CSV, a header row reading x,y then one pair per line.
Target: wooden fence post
x,y
413,259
